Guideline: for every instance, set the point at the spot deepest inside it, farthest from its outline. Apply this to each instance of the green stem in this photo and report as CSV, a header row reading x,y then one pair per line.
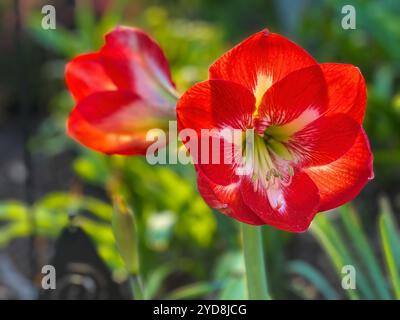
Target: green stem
x,y
136,287
254,262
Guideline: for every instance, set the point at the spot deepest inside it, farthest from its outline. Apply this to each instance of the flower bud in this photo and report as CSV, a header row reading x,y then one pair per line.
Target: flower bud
x,y
125,234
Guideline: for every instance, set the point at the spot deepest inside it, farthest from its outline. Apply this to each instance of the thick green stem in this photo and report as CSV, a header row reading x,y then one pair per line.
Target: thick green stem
x,y
136,287
254,262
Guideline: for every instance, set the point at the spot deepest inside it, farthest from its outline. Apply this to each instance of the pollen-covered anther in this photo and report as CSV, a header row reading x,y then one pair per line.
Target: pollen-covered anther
x,y
273,173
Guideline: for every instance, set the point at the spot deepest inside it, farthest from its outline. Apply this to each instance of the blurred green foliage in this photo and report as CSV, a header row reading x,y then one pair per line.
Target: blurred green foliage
x,y
49,215
374,47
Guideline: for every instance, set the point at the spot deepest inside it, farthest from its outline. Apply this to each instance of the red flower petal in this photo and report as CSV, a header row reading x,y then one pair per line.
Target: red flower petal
x,y
324,140
346,90
298,203
226,199
135,62
263,57
86,75
218,160
302,92
342,180
216,104
115,122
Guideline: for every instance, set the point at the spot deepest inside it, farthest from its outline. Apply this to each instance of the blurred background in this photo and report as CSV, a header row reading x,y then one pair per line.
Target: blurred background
x,y
55,203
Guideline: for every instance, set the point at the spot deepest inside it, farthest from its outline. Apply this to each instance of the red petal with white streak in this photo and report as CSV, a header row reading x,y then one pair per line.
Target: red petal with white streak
x,y
115,122
302,91
342,180
135,62
324,140
226,199
298,203
264,55
218,159
216,104
224,106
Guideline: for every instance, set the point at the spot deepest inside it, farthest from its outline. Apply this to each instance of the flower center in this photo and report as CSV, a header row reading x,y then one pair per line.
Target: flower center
x,y
271,160
268,162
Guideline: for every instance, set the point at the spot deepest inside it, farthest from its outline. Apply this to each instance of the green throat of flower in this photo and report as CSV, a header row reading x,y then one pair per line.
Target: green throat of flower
x,y
269,160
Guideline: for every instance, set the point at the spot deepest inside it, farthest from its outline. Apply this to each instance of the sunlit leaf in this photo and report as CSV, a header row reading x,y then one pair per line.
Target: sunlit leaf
x,y
311,274
390,239
363,249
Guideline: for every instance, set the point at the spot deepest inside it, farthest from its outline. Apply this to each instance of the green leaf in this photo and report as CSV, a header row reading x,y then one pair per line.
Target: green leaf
x,y
155,280
333,243
101,233
360,242
12,210
92,167
192,291
317,279
390,239
86,21
230,274
13,231
59,40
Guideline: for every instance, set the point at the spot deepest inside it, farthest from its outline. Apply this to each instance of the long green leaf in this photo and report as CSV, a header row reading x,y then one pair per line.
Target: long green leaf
x,y
357,235
192,291
333,242
333,253
317,279
391,247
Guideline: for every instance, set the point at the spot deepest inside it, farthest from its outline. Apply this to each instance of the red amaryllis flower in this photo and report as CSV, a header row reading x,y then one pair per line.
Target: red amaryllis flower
x,y
310,152
121,92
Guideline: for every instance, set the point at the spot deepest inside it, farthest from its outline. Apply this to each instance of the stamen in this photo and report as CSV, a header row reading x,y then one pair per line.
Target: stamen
x,y
275,173
290,171
269,171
